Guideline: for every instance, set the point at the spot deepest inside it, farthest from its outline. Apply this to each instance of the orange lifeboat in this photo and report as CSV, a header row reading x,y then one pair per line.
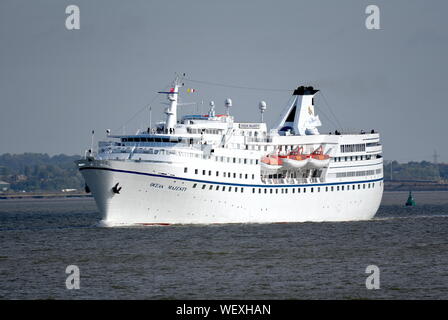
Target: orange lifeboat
x,y
318,159
295,159
272,161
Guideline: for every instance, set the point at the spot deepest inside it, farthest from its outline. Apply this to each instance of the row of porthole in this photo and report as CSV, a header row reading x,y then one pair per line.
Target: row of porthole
x,y
286,190
224,174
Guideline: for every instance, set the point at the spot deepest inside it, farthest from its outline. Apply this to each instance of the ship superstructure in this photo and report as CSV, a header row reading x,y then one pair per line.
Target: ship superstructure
x,y
211,169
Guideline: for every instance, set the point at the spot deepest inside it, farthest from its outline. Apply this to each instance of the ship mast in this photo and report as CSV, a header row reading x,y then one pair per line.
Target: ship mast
x,y
171,110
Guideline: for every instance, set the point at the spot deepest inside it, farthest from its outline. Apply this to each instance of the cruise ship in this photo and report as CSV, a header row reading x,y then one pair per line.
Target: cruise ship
x,y
208,168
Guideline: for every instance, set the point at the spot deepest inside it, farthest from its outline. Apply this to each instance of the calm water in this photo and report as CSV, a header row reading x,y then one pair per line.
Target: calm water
x,y
40,238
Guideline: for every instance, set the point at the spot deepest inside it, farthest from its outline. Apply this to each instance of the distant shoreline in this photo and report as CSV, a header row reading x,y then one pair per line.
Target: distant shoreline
x,y
47,195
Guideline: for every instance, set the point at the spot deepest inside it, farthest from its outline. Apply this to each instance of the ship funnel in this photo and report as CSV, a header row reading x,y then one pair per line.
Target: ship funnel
x,y
299,117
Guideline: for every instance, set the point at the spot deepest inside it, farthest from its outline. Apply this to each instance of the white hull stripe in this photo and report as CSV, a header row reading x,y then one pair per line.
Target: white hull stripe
x,y
231,184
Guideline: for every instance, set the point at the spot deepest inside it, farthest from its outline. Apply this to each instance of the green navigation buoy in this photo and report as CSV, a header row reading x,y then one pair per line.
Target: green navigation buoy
x,y
410,202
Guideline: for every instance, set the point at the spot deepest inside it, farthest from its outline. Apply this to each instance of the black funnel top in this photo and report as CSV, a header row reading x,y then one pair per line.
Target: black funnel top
x,y
302,91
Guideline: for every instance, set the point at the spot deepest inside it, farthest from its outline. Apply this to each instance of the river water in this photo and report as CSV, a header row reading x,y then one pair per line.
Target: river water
x,y
40,238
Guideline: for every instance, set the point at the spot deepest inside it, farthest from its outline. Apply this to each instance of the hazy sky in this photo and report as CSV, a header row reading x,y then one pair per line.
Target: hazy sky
x,y
57,85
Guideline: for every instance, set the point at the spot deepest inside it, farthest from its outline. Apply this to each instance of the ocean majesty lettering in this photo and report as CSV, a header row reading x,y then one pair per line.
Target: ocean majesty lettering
x,y
172,188
175,188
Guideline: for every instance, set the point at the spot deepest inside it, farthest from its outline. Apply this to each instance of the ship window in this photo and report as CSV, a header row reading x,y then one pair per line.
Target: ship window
x,y
211,187
326,189
293,190
265,190
245,176
318,189
217,173
298,190
304,190
259,190
373,184
337,188
196,171
242,189
342,188
253,176
185,170
230,189
283,190
256,161
253,190
363,185
234,160
241,176
353,187
245,160
224,188
359,186
234,175
203,186
276,190
312,189
209,172
271,191
286,190
332,188
203,172
236,189
194,186
217,188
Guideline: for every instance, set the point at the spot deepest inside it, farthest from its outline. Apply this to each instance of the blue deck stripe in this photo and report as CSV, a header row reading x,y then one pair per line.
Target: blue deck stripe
x,y
231,184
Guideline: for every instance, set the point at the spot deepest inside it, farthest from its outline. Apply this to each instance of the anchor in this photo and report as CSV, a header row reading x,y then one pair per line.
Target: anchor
x,y
115,188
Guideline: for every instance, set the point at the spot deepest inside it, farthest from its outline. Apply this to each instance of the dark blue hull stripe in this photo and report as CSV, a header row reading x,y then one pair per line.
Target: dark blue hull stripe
x,y
231,184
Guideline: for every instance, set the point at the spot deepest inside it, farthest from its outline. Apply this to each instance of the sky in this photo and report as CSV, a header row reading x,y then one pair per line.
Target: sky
x,y
57,85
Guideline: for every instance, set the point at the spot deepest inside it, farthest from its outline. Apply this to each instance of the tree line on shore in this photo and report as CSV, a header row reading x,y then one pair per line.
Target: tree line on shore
x,y
34,172
413,170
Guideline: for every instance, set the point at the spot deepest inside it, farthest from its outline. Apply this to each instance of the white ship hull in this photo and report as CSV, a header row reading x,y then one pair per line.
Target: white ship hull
x,y
148,198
